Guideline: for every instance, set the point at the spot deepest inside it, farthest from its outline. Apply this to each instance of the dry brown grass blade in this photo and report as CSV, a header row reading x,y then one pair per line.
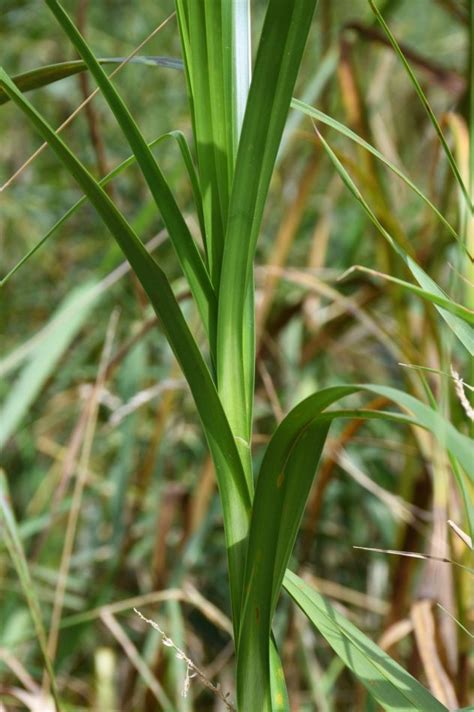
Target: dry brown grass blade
x,y
134,656
399,508
461,534
414,555
395,633
187,594
33,701
17,668
342,304
209,610
270,390
425,634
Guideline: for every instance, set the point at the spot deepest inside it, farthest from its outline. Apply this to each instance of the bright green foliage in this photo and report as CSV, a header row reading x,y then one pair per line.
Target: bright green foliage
x,y
238,121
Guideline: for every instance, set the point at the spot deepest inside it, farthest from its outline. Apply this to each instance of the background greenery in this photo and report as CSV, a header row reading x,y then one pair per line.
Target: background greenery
x,y
148,517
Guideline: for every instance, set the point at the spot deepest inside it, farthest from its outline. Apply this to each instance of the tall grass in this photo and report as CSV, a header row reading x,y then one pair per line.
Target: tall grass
x,y
238,109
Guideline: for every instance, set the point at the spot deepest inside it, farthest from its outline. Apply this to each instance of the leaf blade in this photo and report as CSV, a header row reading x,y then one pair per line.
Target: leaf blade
x,y
282,41
314,113
232,483
188,255
51,73
392,686
282,488
463,331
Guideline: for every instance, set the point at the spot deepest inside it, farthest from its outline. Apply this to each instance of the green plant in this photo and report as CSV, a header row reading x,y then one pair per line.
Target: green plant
x,y
238,117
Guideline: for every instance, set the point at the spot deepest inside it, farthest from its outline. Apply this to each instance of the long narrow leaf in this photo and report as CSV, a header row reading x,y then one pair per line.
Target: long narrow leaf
x,y
282,488
180,139
276,516
279,53
186,250
445,302
204,71
345,131
232,483
392,686
463,331
51,73
425,102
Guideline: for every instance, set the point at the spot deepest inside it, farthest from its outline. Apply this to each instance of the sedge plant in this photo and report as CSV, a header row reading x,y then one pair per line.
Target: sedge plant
x,y
238,109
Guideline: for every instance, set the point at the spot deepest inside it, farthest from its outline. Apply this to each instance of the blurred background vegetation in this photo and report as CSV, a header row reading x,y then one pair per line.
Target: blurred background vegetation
x,y
131,481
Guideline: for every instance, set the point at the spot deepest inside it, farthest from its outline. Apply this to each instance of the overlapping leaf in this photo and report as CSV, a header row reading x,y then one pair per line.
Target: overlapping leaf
x,y
283,485
188,254
279,53
234,491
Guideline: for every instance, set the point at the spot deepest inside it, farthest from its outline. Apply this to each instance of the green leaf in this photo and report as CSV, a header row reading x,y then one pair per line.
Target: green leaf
x,y
392,686
180,139
456,323
279,693
187,252
216,45
435,296
42,76
433,292
215,38
201,37
279,502
282,41
233,487
425,102
340,128
282,489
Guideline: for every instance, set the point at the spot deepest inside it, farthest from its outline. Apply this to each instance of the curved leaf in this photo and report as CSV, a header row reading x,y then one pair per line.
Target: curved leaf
x,y
50,73
233,486
187,252
345,131
458,326
392,686
437,298
426,104
188,162
282,488
276,514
